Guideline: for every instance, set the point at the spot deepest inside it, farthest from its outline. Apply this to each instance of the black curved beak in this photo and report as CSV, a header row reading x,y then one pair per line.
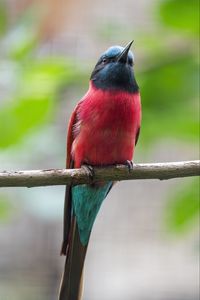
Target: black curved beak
x,y
124,55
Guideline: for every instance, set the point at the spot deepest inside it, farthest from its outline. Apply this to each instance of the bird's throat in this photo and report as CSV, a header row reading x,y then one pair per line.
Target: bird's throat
x,y
118,77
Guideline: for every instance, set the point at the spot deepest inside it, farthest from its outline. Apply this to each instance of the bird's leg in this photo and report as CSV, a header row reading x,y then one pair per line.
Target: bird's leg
x,y
89,170
129,165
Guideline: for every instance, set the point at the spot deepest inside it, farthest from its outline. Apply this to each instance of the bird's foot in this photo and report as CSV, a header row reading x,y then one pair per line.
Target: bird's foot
x,y
129,165
89,170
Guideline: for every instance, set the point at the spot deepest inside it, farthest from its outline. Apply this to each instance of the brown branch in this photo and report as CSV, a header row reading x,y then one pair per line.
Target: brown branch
x,y
115,173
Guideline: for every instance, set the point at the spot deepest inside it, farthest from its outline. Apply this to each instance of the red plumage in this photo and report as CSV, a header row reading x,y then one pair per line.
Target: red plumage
x,y
103,128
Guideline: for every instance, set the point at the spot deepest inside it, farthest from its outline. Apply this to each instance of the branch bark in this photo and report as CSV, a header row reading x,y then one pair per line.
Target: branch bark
x,y
160,171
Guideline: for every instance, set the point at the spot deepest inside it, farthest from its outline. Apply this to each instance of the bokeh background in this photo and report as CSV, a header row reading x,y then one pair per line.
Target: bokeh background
x,y
145,242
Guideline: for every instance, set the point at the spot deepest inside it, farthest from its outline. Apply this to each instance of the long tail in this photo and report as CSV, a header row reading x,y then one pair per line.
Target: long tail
x,y
71,284
86,203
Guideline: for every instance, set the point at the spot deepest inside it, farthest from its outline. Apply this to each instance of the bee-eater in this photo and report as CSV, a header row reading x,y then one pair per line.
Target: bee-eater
x,y
103,130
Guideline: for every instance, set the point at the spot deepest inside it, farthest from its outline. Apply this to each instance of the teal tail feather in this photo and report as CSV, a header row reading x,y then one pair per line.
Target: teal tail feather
x,y
87,200
79,219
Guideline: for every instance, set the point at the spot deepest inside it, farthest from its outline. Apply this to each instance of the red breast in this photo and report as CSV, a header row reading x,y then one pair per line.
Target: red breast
x,y
106,127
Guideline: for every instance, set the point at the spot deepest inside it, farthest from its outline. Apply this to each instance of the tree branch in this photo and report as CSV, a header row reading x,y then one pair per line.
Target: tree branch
x,y
115,173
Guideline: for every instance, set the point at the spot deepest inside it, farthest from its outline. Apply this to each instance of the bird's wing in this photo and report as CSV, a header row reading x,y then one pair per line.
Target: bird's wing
x,y
139,119
70,136
68,195
137,136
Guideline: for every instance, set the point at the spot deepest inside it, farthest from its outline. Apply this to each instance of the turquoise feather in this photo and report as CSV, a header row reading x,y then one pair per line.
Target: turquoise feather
x,y
87,200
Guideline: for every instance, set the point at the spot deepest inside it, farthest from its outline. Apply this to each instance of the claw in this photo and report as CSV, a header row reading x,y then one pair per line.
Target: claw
x,y
129,165
89,170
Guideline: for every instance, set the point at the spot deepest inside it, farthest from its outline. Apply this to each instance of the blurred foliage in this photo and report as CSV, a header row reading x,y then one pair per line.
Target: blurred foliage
x,y
37,82
21,42
35,97
30,85
182,15
170,82
183,208
169,92
170,95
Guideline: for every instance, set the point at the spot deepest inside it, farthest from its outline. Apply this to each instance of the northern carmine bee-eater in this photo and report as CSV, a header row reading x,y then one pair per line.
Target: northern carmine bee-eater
x,y
103,130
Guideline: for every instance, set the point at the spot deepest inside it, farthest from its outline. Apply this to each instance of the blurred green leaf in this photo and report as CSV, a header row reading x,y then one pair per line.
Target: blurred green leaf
x,y
20,42
183,208
169,96
22,38
44,76
5,208
3,18
38,86
170,83
22,48
19,117
182,15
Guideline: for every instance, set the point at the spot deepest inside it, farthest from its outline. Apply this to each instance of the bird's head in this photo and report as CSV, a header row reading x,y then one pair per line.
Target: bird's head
x,y
114,70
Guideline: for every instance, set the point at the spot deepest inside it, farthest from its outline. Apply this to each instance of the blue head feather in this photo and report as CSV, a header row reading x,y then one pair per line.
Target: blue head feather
x,y
110,73
115,51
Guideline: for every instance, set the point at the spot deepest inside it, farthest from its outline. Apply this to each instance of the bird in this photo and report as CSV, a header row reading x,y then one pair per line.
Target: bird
x,y
103,130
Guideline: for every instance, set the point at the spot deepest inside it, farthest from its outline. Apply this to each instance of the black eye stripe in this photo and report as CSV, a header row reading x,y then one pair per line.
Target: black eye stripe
x,y
108,59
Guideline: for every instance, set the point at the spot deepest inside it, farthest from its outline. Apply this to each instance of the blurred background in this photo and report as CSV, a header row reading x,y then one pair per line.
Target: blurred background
x,y
145,242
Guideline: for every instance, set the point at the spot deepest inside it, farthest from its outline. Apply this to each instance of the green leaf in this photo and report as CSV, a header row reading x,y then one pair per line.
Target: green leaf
x,y
17,119
182,15
183,208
